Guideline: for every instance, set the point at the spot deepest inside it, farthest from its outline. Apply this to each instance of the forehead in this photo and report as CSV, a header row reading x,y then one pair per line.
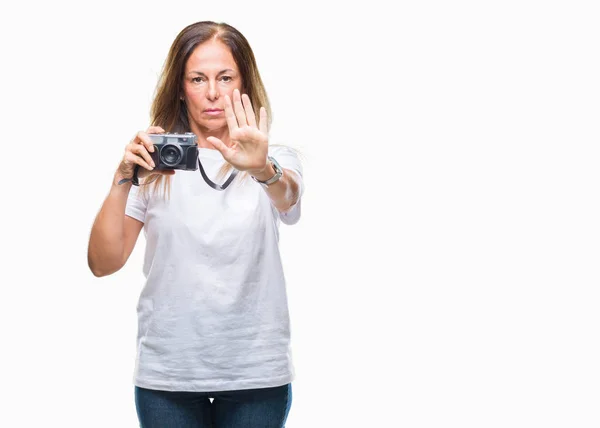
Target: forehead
x,y
210,55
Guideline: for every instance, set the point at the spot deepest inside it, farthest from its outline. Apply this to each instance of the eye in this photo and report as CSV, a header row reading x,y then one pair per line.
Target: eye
x,y
227,78
197,79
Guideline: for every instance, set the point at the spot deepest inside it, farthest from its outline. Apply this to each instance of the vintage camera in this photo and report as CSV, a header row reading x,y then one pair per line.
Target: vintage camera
x,y
175,151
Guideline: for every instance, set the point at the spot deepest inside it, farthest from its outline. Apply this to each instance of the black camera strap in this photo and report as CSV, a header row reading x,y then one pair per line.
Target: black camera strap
x,y
134,180
215,185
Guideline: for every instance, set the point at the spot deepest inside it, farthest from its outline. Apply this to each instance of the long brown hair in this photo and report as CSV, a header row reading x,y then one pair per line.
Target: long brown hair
x,y
169,110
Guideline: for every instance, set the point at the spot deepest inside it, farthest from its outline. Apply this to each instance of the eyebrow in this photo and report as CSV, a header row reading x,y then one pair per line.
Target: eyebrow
x,y
220,72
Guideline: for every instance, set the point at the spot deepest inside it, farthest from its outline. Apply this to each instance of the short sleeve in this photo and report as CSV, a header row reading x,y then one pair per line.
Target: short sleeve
x,y
136,204
288,159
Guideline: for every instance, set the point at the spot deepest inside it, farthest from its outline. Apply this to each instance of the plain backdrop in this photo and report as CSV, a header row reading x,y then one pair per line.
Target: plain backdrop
x,y
445,270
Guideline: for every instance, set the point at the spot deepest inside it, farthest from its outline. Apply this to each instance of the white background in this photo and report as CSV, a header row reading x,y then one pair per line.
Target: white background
x,y
445,270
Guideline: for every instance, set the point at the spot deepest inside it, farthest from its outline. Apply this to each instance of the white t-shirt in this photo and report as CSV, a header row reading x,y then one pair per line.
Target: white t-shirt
x,y
213,313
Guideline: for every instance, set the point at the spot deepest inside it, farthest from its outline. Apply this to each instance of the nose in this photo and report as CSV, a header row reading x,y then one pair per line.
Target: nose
x,y
212,93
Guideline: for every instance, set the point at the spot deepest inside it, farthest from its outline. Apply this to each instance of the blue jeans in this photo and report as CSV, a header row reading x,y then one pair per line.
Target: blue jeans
x,y
250,408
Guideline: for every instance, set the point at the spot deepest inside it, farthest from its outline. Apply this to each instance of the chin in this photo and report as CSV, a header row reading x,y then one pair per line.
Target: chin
x,y
211,124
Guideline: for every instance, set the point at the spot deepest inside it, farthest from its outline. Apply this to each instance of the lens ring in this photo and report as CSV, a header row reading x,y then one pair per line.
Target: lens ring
x,y
171,155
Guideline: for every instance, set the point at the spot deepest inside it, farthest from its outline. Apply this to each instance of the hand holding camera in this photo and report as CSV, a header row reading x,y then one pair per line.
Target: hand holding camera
x,y
157,152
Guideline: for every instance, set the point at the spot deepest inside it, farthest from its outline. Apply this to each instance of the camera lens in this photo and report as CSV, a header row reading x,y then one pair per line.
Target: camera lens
x,y
171,155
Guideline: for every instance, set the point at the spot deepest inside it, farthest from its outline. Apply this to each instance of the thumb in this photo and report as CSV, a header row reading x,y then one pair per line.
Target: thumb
x,y
219,145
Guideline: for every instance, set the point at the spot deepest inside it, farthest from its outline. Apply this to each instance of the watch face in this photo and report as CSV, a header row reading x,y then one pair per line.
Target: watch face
x,y
276,165
277,176
278,171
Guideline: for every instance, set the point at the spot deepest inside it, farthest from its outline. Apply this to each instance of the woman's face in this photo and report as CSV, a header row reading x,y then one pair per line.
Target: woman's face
x,y
210,74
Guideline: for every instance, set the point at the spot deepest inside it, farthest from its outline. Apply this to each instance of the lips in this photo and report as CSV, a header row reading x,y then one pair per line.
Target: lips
x,y
213,112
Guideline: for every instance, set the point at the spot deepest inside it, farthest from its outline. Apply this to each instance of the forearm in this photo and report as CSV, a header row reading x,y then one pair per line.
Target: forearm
x,y
285,192
106,246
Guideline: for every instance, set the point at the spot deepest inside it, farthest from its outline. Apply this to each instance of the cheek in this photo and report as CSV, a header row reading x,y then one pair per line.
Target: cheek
x,y
193,99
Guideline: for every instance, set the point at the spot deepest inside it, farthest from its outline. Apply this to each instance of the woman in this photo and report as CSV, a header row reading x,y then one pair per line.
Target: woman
x,y
212,316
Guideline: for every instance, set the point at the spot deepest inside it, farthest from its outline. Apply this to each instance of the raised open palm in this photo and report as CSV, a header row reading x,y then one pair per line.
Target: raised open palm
x,y
248,140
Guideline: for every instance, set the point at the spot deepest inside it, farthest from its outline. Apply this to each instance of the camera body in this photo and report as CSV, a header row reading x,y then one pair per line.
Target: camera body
x,y
175,151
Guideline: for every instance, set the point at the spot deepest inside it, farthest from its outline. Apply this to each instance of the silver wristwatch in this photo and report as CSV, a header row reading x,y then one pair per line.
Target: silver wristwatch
x,y
276,177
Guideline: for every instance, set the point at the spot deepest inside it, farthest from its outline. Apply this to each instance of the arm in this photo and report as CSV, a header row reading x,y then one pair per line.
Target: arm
x,y
285,192
114,234
248,149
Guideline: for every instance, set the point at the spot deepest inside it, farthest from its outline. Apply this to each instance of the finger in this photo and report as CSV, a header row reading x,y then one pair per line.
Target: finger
x,y
155,130
138,161
145,140
238,108
140,150
264,123
230,115
250,116
220,146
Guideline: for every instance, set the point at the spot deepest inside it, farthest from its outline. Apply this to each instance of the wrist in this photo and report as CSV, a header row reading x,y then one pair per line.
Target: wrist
x,y
117,178
267,177
123,187
263,175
